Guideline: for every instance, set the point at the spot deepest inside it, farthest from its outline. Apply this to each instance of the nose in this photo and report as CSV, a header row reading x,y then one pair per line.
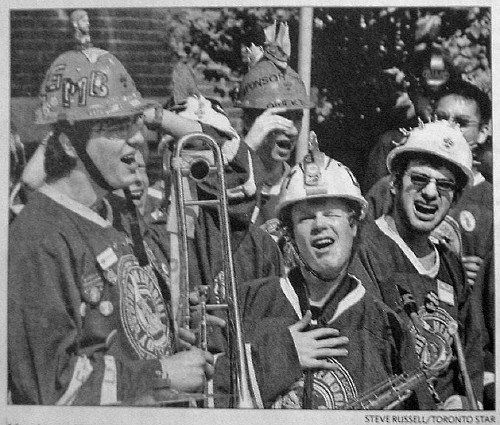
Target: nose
x,y
135,138
319,222
430,191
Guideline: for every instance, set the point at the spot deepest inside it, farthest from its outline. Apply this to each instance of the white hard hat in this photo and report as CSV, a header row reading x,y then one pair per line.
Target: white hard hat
x,y
319,176
441,139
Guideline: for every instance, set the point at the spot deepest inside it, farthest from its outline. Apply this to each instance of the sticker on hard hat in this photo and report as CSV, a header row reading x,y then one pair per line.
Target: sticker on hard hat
x,y
312,174
448,143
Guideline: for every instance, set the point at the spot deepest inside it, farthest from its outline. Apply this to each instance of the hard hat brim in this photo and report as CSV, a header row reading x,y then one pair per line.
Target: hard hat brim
x,y
280,208
403,150
263,107
116,109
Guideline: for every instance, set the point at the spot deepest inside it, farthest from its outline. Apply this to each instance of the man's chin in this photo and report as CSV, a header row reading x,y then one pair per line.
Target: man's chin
x,y
423,226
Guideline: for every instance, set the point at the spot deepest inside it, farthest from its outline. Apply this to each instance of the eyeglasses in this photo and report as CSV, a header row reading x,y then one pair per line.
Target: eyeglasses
x,y
421,181
460,121
117,127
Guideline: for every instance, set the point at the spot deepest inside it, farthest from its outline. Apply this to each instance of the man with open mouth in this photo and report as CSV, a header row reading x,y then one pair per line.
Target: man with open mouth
x,y
273,97
90,309
332,342
417,276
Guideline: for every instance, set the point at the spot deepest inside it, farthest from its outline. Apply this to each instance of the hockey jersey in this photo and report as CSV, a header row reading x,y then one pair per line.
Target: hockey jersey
x,y
87,322
378,346
392,272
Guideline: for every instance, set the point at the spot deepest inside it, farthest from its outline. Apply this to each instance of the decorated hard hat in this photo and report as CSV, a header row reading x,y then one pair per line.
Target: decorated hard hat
x,y
441,139
268,86
319,176
88,84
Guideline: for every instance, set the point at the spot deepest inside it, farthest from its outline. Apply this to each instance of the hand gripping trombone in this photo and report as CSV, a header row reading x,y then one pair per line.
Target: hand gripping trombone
x,y
198,168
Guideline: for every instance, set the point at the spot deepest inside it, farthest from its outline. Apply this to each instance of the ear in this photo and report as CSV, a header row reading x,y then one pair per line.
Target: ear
x,y
354,228
67,145
392,188
484,132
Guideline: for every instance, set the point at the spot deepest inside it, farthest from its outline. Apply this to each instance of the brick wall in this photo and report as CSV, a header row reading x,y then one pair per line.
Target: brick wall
x,y
137,37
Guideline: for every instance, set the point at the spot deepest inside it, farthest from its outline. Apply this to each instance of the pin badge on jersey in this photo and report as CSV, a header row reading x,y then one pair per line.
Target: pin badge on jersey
x,y
106,308
445,292
92,287
107,258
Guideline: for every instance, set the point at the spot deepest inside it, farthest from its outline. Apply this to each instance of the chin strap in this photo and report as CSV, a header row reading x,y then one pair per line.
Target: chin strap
x,y
305,267
135,230
80,148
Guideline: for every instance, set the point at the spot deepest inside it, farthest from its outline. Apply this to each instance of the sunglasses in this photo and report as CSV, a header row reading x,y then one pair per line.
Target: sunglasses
x,y
443,186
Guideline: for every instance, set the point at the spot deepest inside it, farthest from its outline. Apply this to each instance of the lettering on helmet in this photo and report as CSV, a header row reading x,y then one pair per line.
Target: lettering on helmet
x,y
69,88
286,103
53,82
97,87
259,83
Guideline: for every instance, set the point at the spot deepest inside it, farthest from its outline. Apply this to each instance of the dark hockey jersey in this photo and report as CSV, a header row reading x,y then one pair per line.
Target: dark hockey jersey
x,y
391,271
87,323
378,345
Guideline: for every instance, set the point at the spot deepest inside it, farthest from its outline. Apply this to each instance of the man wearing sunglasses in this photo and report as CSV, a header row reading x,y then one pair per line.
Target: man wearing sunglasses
x,y
424,282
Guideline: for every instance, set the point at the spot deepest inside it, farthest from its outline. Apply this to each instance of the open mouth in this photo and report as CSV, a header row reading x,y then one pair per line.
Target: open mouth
x,y
322,243
136,194
425,209
284,144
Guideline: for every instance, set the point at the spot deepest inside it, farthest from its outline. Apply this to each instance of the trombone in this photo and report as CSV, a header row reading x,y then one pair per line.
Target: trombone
x,y
198,168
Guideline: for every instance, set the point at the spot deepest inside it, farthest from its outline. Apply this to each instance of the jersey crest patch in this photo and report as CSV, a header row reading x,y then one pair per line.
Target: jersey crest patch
x,y
435,334
332,389
144,314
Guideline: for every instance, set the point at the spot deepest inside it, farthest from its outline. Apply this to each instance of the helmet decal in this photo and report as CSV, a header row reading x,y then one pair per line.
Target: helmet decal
x,y
312,174
447,142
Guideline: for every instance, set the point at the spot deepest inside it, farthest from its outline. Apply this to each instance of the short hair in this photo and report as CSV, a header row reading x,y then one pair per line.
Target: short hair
x,y
471,92
253,34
